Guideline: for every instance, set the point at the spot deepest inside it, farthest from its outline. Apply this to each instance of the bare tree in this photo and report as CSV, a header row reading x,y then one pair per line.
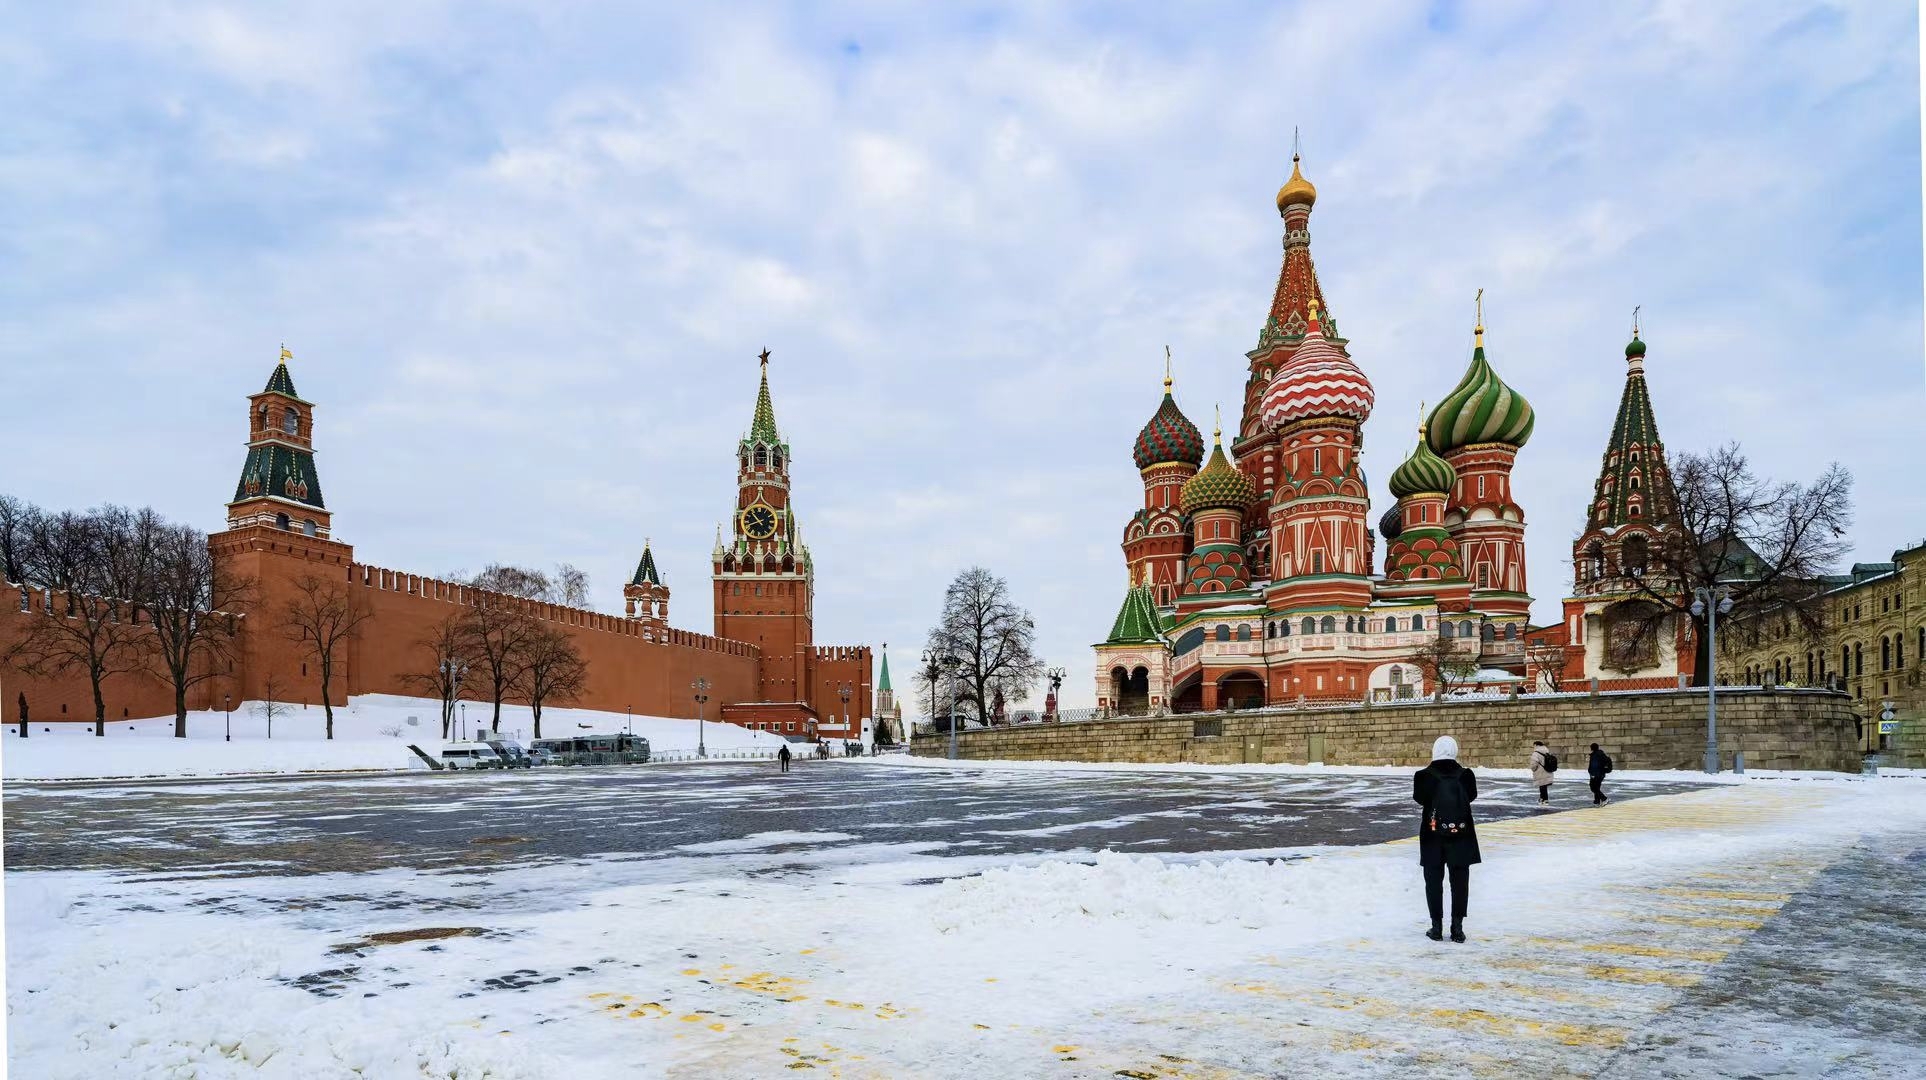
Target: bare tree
x,y
992,636
552,669
451,651
499,634
322,618
571,586
1767,543
15,516
1444,664
271,705
568,585
1547,660
91,570
191,601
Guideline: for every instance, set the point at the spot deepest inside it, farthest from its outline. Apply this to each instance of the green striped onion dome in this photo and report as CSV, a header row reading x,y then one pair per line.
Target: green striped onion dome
x,y
1218,487
1169,438
1422,473
1634,348
1482,409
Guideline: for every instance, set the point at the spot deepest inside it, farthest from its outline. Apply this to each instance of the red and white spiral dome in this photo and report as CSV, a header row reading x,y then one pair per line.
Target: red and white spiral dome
x,y
1318,381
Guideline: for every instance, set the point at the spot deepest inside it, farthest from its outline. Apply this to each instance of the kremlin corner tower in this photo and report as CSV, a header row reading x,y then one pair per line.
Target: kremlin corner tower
x,y
1254,578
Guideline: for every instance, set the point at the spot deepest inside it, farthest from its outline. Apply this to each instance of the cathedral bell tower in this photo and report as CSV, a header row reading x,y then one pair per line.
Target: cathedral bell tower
x,y
764,580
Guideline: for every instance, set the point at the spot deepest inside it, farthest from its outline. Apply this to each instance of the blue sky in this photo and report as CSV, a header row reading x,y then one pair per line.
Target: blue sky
x,y
525,258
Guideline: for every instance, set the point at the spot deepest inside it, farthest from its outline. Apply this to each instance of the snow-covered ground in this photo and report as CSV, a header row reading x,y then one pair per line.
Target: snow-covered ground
x,y
877,960
371,733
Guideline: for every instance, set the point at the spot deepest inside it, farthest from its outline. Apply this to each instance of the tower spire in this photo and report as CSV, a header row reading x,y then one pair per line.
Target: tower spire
x,y
1478,331
763,427
1166,369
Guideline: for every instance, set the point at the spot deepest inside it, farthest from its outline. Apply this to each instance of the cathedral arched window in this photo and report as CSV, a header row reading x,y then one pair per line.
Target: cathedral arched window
x,y
1243,633
1511,631
281,521
1270,630
308,526
1635,554
1309,626
1330,625
1391,624
1444,629
1417,622
1489,633
1223,633
1464,628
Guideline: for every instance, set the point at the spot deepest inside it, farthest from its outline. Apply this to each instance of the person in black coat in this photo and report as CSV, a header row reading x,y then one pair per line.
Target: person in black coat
x,y
1600,764
1442,851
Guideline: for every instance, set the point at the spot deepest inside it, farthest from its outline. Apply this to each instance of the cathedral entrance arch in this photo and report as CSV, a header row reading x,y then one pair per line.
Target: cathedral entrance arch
x,y
1130,690
1240,690
1188,696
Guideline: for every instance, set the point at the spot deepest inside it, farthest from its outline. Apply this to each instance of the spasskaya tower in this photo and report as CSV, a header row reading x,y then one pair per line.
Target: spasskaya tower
x,y
765,582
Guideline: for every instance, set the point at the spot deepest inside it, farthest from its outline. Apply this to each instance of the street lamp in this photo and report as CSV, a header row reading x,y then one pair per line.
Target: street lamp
x,y
451,672
843,692
462,732
701,688
1709,603
953,662
227,706
628,719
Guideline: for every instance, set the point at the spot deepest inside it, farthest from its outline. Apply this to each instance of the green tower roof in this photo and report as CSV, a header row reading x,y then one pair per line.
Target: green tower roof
x,y
645,573
763,428
882,683
1423,472
1137,621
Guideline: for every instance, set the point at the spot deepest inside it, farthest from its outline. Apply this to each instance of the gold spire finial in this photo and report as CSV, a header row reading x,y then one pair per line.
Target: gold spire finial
x,y
1421,424
1218,432
1635,308
1166,369
285,354
1312,304
1479,330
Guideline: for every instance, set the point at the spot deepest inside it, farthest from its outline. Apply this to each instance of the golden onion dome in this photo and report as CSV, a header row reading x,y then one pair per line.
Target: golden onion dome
x,y
1296,189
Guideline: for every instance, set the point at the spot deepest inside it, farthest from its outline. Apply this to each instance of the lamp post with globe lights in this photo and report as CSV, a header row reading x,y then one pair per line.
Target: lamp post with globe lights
x,y
701,688
1710,602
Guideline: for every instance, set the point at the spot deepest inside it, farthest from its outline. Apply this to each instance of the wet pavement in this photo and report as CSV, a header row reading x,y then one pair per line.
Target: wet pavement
x,y
709,820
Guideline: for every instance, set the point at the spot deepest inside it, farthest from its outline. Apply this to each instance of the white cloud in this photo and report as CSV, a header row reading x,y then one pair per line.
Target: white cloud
x,y
527,257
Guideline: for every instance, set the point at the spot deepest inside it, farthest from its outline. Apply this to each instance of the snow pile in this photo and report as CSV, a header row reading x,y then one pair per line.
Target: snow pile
x,y
372,733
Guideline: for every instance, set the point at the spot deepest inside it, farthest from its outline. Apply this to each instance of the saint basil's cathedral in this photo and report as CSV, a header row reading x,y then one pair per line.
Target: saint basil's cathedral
x,y
1254,579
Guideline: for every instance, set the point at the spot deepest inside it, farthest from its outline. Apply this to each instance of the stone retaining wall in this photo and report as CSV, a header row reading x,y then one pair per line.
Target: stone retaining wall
x,y
1776,729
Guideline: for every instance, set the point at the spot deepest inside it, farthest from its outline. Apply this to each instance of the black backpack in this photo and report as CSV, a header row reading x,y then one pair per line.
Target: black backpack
x,y
1608,763
1450,810
1551,762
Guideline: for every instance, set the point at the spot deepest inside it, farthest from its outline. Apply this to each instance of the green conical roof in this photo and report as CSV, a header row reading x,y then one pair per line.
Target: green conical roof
x,y
1480,409
1220,486
882,683
1137,621
1423,472
1635,429
763,428
645,573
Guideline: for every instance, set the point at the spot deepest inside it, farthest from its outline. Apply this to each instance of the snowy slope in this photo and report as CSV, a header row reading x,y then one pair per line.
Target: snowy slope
x,y
372,732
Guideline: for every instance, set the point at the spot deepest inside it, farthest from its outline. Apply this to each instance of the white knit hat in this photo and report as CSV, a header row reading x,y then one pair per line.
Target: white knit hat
x,y
1444,749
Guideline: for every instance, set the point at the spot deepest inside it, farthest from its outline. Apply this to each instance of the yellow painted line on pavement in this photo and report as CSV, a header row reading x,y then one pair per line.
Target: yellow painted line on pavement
x,y
1476,1020
1702,956
1610,972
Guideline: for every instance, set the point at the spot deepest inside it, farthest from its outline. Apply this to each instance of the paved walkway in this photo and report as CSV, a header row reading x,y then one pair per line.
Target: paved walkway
x,y
1788,967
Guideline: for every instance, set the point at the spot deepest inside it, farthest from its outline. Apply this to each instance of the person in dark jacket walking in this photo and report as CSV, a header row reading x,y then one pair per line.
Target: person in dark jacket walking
x,y
1447,838
782,757
1600,764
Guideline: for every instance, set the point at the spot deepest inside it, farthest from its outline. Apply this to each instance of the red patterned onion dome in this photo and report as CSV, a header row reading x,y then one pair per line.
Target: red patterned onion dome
x,y
1319,380
1169,438
1219,486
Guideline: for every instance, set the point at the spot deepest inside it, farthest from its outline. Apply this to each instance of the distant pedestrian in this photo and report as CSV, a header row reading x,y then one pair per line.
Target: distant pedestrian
x,y
782,757
1543,764
1596,768
1447,838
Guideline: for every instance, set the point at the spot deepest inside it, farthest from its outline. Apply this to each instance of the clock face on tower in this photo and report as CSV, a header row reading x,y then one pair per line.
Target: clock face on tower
x,y
759,522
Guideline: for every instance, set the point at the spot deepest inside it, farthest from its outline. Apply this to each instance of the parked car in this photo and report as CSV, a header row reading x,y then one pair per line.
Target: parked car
x,y
511,753
470,756
541,755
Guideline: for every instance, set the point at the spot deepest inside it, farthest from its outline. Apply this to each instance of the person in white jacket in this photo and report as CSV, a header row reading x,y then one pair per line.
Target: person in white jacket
x,y
1540,775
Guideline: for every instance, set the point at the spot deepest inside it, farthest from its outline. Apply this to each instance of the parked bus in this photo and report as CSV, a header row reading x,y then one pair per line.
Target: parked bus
x,y
597,750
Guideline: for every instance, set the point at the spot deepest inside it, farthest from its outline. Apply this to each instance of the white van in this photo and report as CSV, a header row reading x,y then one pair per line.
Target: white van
x,y
470,756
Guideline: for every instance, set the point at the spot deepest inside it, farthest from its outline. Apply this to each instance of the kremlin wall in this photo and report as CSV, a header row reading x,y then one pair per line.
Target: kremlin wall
x,y
770,674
